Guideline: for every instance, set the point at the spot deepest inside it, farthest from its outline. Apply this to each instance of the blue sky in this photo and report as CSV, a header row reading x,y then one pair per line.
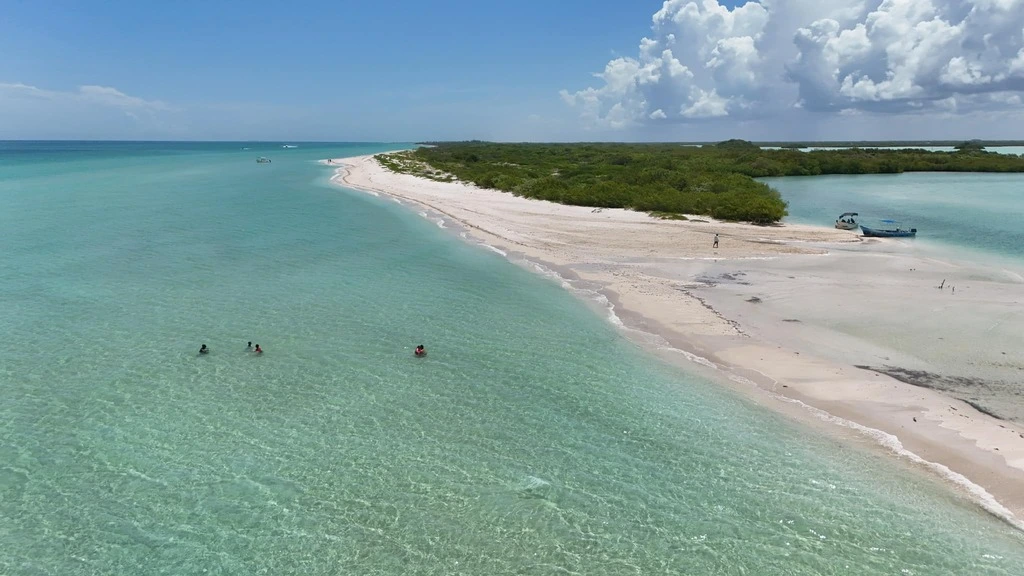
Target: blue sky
x,y
456,69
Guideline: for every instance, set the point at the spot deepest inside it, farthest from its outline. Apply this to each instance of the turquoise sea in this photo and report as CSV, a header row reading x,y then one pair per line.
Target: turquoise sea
x,y
977,213
534,439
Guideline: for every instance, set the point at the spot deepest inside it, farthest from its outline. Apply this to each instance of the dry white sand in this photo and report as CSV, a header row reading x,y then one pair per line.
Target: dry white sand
x,y
789,311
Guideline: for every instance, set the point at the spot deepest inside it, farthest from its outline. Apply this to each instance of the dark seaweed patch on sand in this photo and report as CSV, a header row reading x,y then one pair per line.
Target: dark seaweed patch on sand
x,y
958,386
723,278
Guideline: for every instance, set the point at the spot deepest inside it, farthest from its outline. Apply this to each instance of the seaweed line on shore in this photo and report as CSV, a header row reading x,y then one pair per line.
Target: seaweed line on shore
x,y
938,382
734,324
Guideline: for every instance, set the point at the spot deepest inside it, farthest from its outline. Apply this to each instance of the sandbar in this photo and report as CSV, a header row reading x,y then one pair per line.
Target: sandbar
x,y
815,322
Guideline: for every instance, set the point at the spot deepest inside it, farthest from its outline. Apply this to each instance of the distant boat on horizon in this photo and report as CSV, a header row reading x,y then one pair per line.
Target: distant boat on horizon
x,y
289,146
263,160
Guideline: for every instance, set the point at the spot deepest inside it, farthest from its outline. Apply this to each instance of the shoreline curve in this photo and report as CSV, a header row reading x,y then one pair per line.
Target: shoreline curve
x,y
633,284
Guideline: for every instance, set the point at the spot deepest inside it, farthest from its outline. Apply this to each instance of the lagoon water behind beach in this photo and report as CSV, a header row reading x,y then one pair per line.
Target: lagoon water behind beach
x,y
979,212
878,302
533,439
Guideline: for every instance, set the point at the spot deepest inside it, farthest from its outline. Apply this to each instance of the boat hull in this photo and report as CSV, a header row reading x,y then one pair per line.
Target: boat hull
x,y
846,225
880,233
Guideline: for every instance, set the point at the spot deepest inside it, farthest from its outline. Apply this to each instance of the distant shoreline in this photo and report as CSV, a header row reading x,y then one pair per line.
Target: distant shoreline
x,y
645,267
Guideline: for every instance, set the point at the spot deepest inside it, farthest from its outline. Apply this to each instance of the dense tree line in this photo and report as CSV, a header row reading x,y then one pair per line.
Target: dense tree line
x,y
837,143
969,157
715,180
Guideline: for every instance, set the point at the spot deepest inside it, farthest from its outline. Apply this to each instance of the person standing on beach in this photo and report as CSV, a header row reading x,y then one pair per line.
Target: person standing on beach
x,y
715,245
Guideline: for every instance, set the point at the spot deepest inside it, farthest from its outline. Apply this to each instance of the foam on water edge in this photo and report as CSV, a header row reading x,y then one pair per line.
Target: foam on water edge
x,y
495,249
1013,276
977,493
585,293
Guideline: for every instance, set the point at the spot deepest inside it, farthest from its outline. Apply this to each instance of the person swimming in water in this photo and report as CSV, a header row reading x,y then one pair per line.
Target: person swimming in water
x,y
420,351
203,349
248,348
258,350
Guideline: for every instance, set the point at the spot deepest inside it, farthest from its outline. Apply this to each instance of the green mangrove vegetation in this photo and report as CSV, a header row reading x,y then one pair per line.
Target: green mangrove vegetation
x,y
670,180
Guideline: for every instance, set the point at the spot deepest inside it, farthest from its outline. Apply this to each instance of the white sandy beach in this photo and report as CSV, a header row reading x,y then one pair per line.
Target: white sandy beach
x,y
785,313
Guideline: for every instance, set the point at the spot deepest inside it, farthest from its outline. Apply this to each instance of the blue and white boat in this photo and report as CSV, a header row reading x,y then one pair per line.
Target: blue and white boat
x,y
896,232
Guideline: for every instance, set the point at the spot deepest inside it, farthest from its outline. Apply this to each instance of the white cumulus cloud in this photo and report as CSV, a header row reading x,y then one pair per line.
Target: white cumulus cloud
x,y
704,60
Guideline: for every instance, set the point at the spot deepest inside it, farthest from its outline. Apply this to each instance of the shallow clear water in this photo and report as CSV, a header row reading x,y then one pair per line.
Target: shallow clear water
x,y
974,211
532,440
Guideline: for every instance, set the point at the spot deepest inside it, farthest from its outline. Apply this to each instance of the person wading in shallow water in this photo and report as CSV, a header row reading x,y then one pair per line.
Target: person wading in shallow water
x,y
715,245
